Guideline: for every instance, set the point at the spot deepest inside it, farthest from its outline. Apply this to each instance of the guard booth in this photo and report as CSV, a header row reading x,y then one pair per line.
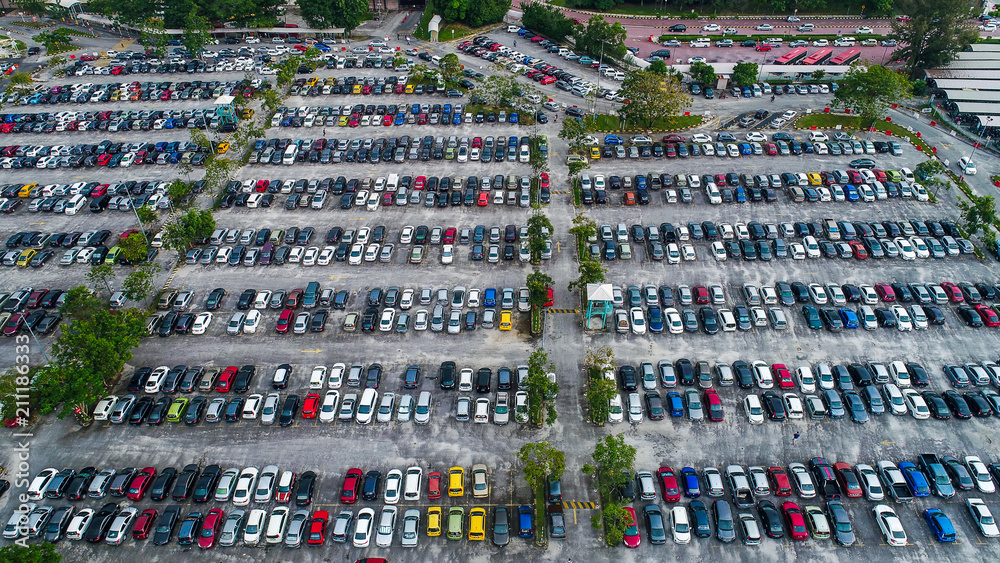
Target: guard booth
x,y
225,111
600,304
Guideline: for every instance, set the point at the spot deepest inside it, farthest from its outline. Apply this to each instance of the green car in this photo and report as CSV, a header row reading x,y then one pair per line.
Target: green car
x,y
177,409
113,254
456,515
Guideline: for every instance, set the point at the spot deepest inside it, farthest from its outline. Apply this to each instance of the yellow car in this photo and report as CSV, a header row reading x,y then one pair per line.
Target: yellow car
x,y
433,521
356,89
409,88
505,320
312,81
26,255
595,153
815,179
25,190
222,148
343,121
247,113
477,524
456,482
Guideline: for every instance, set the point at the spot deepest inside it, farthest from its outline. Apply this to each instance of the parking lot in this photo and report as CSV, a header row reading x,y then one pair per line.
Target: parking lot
x,y
331,449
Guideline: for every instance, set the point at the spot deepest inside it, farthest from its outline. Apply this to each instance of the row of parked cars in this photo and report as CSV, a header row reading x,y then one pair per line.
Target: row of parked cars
x,y
674,145
816,482
103,154
116,121
372,115
164,90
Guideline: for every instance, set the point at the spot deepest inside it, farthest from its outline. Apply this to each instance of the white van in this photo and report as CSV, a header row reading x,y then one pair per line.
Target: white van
x,y
75,204
392,183
289,157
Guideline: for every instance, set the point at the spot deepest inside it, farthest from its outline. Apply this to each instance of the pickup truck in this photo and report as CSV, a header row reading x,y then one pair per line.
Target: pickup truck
x,y
826,479
895,483
740,483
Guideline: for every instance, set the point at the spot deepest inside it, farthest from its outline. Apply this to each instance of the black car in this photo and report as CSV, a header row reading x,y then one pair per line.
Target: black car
x,y
446,375
771,519
685,371
373,377
246,299
372,485
709,320
77,488
937,406
959,407
58,523
288,410
215,297
195,410
698,516
101,522
140,411
241,382
159,411
774,406
304,488
163,484
190,528
166,524
185,482
122,480
743,374
629,380
205,486
654,406
57,486
484,379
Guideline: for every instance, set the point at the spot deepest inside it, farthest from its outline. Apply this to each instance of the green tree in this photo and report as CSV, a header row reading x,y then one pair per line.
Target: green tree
x,y
936,31
590,270
197,32
540,461
154,36
547,20
539,231
575,132
178,190
450,68
745,74
537,283
541,390
139,284
577,166
704,73
978,215
600,390
33,553
868,90
659,68
146,215
33,7
53,40
20,79
583,228
181,232
88,356
217,173
613,461
818,74
323,14
615,521
81,303
134,248
650,97
598,38
101,277
919,88
272,100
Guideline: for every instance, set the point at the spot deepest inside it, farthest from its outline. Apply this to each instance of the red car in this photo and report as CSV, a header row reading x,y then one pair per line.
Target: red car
x,y
14,324
387,198
477,142
715,411
143,524
449,235
548,80
284,321
670,150
855,177
780,484
886,293
104,159
859,250
387,121
317,527
953,291
283,490
795,521
434,485
848,480
668,480
880,175
418,182
261,186
310,405
210,528
673,138
549,297
764,47
631,528
140,484
226,379
543,180
782,376
126,234
484,199
989,315
771,148
352,482
701,295
720,180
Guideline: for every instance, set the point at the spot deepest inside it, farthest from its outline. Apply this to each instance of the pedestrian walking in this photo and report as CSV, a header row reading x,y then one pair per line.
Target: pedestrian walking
x,y
515,42
794,438
772,98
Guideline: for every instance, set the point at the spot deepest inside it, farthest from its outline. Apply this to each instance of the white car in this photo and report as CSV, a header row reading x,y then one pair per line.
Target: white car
x,y
254,527
386,527
756,136
328,412
201,323
244,486
385,408
77,526
903,322
762,375
252,407
251,321
674,323
889,525
615,412
363,528
712,27
36,490
679,525
336,375
916,404
818,137
980,473
317,379
264,489
156,379
277,523
393,486
120,527
864,29
983,518
793,406
870,482
754,409
638,320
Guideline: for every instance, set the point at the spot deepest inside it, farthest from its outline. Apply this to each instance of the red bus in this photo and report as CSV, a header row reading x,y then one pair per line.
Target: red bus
x,y
819,57
792,57
846,58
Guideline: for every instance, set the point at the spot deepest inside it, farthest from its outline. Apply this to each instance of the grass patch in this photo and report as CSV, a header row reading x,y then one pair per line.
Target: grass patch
x,y
61,48
425,20
605,122
541,521
34,25
900,131
79,33
850,123
455,31
537,323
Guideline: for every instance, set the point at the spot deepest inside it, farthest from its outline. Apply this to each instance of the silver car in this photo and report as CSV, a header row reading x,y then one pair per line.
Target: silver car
x,y
270,411
297,528
422,414
411,528
231,528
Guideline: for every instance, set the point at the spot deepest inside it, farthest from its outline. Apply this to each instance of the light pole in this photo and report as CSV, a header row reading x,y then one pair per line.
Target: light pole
x,y
143,229
990,119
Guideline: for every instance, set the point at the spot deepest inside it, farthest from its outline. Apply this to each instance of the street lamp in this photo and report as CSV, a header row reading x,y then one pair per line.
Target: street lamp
x,y
990,119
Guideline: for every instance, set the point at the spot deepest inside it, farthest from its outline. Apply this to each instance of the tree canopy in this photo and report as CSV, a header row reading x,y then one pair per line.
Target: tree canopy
x,y
324,14
598,37
703,72
868,90
181,232
745,74
177,13
650,97
474,13
547,20
936,31
32,553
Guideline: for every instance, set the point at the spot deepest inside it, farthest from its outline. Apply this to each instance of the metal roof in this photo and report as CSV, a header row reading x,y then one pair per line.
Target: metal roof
x,y
956,84
936,73
972,96
977,108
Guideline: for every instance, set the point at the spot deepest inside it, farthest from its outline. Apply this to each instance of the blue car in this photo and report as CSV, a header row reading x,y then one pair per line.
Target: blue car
x,y
640,182
747,93
490,297
849,316
400,118
655,319
512,118
525,529
456,119
740,194
851,193
745,149
676,404
613,140
915,479
940,525
689,480
322,47
259,144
